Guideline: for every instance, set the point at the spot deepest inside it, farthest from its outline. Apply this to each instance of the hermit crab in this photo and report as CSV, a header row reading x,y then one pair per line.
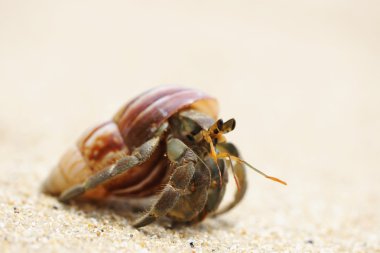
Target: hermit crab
x,y
166,143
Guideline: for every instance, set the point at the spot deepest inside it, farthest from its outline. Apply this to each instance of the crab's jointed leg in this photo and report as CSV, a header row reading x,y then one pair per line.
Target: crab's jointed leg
x,y
138,156
239,174
184,160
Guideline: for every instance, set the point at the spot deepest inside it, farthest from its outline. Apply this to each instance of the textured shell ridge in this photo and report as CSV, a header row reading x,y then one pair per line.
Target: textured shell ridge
x,y
151,109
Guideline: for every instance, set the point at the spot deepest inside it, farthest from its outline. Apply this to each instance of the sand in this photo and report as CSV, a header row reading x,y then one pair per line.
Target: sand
x,y
301,80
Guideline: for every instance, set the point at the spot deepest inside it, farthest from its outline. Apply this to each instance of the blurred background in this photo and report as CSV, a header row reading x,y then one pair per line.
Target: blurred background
x,y
302,79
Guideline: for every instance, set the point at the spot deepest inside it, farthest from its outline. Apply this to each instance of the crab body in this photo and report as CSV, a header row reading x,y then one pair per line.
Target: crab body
x,y
165,143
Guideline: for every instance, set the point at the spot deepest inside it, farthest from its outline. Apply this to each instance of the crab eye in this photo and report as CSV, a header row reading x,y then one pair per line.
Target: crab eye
x,y
190,137
195,131
229,125
219,124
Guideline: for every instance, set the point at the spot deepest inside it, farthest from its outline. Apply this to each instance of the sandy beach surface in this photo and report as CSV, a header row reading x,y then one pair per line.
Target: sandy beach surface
x,y
301,79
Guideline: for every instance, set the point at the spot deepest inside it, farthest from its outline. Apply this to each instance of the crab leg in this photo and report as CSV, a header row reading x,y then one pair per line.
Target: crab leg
x,y
183,159
138,156
239,174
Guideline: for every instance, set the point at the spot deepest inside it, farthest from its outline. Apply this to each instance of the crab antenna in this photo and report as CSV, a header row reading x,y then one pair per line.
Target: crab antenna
x,y
263,174
258,171
234,172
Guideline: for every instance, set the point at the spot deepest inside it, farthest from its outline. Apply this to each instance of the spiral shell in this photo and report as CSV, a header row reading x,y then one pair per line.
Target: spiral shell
x,y
132,125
